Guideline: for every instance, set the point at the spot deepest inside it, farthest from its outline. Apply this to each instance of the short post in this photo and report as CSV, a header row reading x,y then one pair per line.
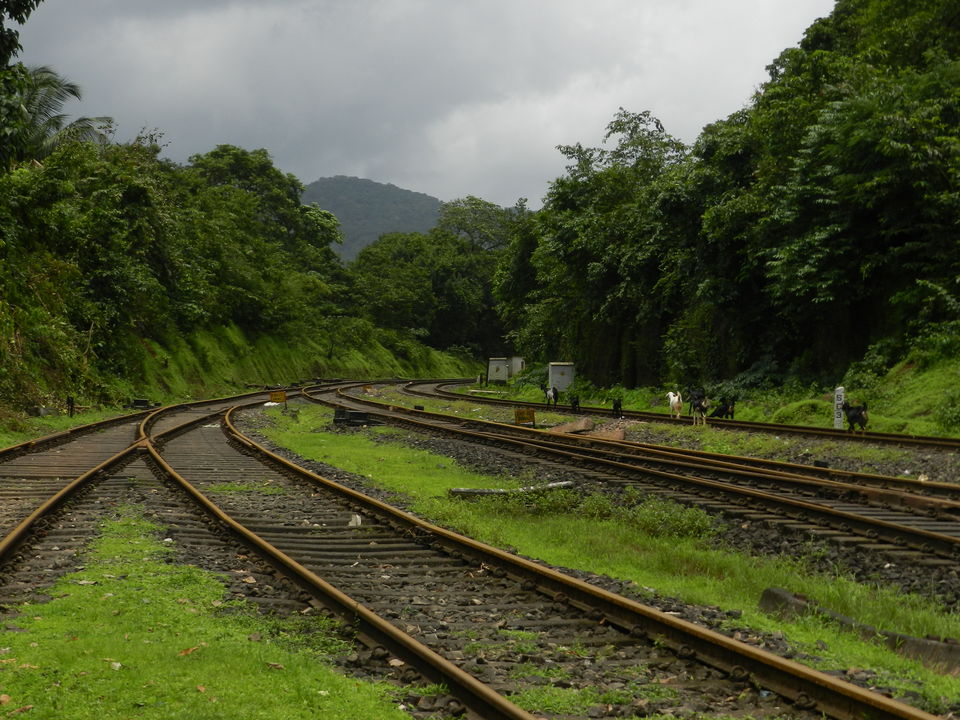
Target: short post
x,y
839,397
70,405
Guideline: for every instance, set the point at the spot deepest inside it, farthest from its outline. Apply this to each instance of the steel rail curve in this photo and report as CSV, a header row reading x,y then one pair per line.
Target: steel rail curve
x,y
865,436
926,541
806,687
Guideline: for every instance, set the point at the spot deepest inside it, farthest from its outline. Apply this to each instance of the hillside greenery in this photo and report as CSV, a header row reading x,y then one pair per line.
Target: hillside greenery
x,y
124,274
810,230
806,240
367,209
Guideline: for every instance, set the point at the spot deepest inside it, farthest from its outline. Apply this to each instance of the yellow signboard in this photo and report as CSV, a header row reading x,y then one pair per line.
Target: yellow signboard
x,y
278,396
523,416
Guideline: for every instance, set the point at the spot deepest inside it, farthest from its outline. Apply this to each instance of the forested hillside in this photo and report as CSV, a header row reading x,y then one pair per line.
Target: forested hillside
x,y
367,209
111,257
815,225
812,231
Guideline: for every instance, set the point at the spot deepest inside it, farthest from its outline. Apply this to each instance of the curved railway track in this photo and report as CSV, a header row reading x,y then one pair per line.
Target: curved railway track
x,y
918,522
435,389
425,601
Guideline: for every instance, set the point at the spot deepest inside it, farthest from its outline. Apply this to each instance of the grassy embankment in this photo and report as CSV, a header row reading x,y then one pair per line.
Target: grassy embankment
x,y
132,635
784,447
224,362
918,398
656,546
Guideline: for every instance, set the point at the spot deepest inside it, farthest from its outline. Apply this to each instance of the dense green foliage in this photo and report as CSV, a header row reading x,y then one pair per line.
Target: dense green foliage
x,y
437,286
17,11
808,236
13,77
367,209
124,274
45,127
792,237
111,256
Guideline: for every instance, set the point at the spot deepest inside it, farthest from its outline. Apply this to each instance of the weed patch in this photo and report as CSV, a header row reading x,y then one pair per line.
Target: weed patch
x,y
132,635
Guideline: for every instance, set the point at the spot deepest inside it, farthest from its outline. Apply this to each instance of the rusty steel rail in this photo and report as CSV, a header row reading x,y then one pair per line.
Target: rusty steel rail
x,y
926,541
806,687
946,443
13,538
35,444
479,697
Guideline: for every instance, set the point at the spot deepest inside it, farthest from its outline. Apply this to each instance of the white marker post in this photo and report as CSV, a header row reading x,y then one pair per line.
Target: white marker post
x,y
839,396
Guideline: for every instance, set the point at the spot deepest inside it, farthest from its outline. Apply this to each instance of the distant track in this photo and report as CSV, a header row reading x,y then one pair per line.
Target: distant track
x,y
923,517
440,389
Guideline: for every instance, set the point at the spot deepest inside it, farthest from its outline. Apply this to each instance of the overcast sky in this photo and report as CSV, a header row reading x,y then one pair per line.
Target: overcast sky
x,y
446,97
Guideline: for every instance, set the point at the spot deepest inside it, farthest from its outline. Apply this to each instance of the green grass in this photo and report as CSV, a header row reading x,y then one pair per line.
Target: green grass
x,y
909,397
134,636
223,361
467,408
676,558
262,487
410,470
789,448
15,430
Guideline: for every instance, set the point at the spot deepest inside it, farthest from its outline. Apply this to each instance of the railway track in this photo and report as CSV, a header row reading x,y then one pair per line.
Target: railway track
x,y
424,601
917,522
440,389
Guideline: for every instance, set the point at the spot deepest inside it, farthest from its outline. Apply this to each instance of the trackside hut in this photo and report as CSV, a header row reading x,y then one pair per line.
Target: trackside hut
x,y
498,370
560,375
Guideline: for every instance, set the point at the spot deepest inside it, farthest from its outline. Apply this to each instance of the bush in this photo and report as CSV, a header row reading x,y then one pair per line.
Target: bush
x,y
869,373
936,343
804,412
597,506
947,413
664,518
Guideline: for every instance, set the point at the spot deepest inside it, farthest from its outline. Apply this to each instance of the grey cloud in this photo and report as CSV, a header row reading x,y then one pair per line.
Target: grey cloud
x,y
447,98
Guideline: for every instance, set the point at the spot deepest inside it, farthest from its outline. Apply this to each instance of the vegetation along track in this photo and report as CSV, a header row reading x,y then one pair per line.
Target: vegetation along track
x,y
905,522
394,413
440,595
440,389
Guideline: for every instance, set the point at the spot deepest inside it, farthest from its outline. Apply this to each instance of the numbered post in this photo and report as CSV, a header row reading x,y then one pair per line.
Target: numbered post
x,y
839,397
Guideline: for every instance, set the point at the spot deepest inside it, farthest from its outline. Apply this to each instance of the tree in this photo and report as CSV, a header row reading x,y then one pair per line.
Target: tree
x,y
483,223
435,286
18,11
45,126
276,194
596,224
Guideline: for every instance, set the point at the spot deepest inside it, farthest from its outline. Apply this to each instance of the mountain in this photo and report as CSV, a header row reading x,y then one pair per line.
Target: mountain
x,y
367,209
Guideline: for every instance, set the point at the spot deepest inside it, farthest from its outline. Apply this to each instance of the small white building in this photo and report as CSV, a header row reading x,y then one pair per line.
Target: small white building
x,y
560,375
498,370
517,365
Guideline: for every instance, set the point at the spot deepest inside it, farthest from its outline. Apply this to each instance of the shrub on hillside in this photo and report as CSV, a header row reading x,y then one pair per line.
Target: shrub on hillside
x,y
804,412
947,413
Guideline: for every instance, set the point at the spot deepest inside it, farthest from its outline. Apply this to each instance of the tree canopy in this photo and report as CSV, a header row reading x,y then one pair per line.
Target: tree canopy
x,y
788,239
814,226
